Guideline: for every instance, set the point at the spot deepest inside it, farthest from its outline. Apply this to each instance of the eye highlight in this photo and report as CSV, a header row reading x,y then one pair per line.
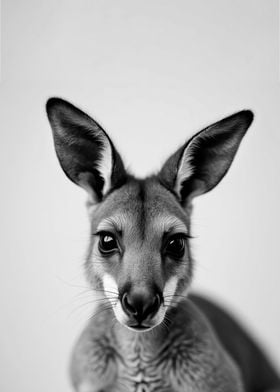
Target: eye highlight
x,y
175,246
107,243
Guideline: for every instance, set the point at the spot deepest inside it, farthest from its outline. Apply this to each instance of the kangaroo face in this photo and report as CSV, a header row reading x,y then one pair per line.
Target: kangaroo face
x,y
139,254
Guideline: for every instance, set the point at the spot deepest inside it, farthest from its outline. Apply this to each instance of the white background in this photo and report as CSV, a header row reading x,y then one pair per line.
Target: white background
x,y
152,73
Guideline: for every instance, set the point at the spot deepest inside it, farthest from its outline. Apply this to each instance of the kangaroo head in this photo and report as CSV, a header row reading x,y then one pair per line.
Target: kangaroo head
x,y
139,254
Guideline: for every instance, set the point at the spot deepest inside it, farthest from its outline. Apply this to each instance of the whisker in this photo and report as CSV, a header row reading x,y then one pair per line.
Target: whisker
x,y
112,301
172,303
101,311
105,298
170,306
73,285
164,324
77,308
87,287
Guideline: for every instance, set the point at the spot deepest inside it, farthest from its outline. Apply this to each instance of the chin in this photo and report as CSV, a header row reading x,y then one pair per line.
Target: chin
x,y
139,328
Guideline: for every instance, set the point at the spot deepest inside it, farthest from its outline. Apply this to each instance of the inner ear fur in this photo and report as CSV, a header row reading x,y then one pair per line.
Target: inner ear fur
x,y
200,164
84,150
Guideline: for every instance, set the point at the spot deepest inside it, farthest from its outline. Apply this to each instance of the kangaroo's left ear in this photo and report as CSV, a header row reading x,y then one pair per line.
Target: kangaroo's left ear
x,y
200,164
85,151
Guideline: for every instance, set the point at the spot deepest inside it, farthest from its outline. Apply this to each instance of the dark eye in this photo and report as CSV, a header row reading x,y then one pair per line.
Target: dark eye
x,y
176,246
107,243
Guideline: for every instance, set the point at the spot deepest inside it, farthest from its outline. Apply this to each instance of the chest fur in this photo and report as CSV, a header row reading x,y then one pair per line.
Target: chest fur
x,y
146,367
117,361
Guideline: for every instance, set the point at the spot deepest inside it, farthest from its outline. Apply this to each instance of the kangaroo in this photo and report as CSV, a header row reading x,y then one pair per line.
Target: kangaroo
x,y
149,333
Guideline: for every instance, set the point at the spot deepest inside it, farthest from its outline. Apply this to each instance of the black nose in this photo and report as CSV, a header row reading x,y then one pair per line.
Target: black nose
x,y
140,306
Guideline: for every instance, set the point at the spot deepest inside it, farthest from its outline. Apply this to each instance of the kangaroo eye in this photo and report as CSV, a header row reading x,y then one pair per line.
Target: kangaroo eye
x,y
176,247
107,243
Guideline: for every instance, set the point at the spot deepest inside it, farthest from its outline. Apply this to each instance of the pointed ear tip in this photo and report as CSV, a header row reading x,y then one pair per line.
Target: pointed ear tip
x,y
248,116
243,119
53,103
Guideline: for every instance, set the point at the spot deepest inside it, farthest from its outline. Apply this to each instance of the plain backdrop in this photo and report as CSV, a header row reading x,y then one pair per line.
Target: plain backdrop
x,y
152,73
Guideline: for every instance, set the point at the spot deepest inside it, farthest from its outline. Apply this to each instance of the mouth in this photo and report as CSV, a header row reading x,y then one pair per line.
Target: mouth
x,y
139,327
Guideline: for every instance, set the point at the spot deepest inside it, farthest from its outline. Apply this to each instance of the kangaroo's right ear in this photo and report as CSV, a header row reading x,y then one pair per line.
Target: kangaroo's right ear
x,y
200,164
85,152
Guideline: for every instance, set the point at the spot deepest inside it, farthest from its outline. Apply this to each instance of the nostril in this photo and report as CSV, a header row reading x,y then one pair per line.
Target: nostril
x,y
157,301
153,307
127,306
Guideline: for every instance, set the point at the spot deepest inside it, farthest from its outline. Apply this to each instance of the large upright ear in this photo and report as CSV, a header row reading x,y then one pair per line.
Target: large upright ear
x,y
85,152
201,163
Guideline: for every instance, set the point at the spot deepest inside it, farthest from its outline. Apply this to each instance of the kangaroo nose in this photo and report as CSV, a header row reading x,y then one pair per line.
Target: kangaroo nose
x,y
139,306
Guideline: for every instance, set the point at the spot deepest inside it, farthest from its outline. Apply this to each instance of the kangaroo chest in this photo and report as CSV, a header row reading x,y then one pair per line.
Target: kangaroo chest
x,y
146,367
185,358
142,369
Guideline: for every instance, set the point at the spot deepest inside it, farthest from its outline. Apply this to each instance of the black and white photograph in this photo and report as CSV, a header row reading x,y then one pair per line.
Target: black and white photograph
x,y
140,160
